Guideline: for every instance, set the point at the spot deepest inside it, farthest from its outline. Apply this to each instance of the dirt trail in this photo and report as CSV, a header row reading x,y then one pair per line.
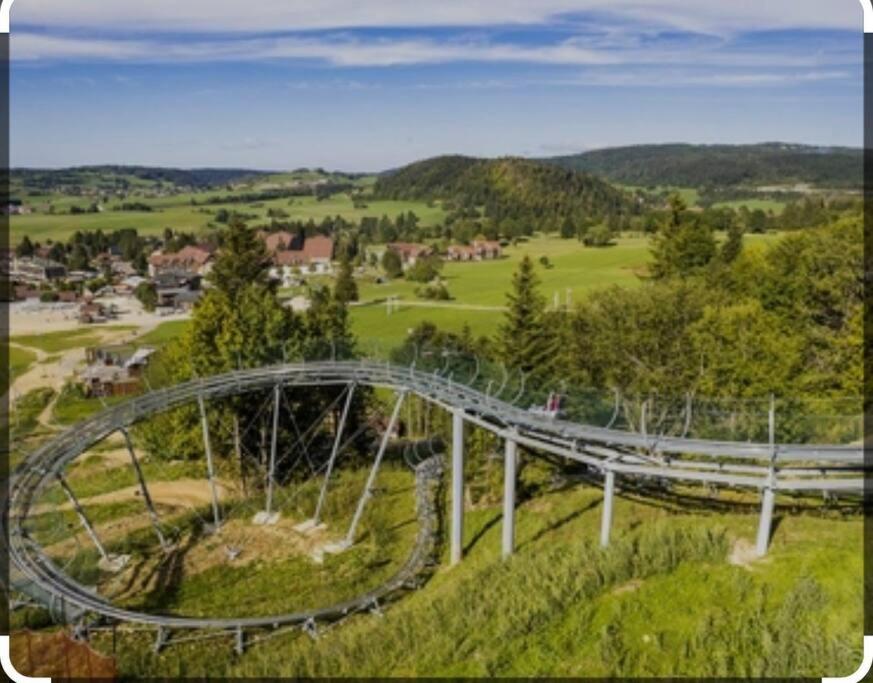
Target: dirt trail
x,y
181,493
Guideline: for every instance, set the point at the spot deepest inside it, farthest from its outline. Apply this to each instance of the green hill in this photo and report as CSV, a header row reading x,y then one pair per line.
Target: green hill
x,y
721,165
506,187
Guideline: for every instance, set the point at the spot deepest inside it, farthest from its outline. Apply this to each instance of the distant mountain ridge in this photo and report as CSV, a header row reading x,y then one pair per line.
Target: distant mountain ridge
x,y
687,165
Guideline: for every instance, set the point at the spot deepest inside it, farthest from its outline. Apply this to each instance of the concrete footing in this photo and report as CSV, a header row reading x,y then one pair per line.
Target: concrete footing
x,y
264,518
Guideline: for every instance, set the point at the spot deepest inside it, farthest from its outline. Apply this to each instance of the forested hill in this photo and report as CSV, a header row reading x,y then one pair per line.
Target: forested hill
x,y
507,187
722,165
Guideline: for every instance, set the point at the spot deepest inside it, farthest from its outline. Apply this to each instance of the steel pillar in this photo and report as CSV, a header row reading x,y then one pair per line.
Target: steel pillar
x,y
82,517
606,519
153,515
768,499
207,444
368,489
457,486
271,471
334,452
509,474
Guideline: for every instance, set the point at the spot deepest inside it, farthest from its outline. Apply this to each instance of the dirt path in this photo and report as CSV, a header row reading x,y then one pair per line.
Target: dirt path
x,y
181,493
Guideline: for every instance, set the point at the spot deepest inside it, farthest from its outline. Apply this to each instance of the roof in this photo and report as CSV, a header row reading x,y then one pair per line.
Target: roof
x,y
409,248
140,356
196,256
278,241
315,248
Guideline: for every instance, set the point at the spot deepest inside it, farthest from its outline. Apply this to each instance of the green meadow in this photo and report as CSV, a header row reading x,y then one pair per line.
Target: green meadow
x,y
178,213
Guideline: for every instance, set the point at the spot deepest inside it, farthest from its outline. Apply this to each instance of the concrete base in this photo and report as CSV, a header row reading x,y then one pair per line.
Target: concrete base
x,y
113,563
317,556
210,529
265,518
309,527
336,547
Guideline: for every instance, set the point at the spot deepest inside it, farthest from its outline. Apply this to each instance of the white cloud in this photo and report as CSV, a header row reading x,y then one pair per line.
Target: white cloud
x,y
708,16
349,51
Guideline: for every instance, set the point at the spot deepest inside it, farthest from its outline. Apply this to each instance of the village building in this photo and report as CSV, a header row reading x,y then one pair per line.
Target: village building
x,y
177,292
479,250
191,259
292,254
36,270
91,312
410,253
114,370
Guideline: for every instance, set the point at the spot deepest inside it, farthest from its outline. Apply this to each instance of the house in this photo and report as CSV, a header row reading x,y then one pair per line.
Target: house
x,y
128,285
313,255
479,250
191,259
35,270
92,312
114,370
24,292
177,292
410,253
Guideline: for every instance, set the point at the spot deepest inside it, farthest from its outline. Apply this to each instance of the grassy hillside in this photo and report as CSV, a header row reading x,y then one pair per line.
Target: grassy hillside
x,y
662,600
721,165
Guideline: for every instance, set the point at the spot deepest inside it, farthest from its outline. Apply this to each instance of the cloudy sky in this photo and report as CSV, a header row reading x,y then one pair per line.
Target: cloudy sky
x,y
372,84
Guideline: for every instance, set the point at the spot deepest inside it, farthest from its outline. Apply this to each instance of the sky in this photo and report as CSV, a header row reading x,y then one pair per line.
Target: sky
x,y
367,85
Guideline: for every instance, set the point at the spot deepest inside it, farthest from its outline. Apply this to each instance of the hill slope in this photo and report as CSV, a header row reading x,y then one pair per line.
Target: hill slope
x,y
506,187
721,165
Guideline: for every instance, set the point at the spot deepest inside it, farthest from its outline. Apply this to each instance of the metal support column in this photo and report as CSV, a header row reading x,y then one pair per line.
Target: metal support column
x,y
608,495
333,453
768,500
271,470
509,474
368,489
457,485
209,467
156,523
82,518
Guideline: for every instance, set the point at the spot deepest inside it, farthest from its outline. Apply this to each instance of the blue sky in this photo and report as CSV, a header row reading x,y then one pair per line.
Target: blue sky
x,y
372,84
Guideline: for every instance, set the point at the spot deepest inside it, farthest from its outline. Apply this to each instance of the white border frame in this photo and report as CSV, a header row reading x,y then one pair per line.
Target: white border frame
x,y
5,659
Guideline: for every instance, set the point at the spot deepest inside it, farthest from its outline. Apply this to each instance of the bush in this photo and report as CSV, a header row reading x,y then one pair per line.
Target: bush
x,y
435,292
598,236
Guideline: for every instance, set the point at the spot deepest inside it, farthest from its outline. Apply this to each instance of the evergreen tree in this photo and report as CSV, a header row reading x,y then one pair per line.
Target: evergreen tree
x,y
733,246
242,260
345,289
391,263
24,248
524,342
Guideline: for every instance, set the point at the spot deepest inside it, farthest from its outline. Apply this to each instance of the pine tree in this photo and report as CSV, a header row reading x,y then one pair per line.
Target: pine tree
x,y
242,260
345,289
523,341
733,246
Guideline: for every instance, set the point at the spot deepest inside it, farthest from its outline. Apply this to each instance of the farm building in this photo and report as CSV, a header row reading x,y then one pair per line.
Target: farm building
x,y
409,253
479,250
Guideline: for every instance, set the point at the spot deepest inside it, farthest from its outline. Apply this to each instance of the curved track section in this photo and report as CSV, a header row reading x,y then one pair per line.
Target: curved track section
x,y
775,467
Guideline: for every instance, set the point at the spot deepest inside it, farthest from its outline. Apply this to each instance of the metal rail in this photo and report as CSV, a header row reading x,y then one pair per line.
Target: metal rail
x,y
756,466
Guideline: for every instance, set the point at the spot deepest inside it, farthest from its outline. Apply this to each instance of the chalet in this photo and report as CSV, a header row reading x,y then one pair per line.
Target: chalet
x,y
114,370
410,253
35,270
191,259
479,250
313,255
177,292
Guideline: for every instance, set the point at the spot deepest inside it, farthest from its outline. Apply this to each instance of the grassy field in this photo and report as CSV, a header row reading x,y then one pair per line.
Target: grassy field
x,y
176,212
54,342
662,600
479,289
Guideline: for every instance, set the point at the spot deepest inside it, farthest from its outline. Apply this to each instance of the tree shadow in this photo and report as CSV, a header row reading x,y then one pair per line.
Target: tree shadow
x,y
558,523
